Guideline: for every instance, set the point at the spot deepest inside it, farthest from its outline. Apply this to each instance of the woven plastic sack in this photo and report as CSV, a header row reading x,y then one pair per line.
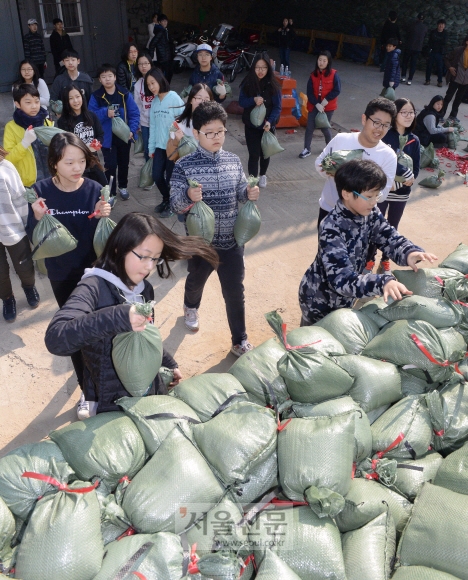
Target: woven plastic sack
x,y
209,393
221,566
411,385
51,239
108,446
417,345
186,146
257,115
46,133
421,573
273,568
388,93
426,281
366,500
435,535
319,339
433,182
309,545
318,453
439,312
427,156
321,121
370,310
453,471
56,106
63,537
138,146
412,474
262,478
114,522
376,383
120,129
185,92
350,327
155,417
146,174
104,227
270,144
362,431
7,531
369,551
458,259
145,554
248,220
226,85
21,494
376,413
334,160
175,476
452,139
404,431
200,219
236,440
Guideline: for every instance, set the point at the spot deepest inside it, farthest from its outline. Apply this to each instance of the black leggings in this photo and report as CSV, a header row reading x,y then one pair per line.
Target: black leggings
x,y
253,138
394,213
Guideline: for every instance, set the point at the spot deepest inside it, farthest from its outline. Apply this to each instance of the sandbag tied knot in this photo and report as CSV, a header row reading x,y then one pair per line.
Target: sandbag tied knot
x,y
397,441
427,354
324,502
383,470
287,346
57,484
128,532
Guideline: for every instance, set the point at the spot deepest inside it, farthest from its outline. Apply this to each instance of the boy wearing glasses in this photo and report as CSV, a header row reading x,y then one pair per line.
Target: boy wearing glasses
x,y
222,186
376,121
337,276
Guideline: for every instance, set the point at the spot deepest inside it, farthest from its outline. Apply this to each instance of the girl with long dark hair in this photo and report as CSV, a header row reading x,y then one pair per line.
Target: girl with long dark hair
x,y
29,74
126,69
259,87
427,124
142,100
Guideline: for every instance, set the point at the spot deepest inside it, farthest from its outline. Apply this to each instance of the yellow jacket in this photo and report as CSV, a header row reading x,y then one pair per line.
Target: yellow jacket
x,y
23,159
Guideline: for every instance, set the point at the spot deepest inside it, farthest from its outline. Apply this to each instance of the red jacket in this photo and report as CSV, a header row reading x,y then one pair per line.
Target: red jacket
x,y
330,89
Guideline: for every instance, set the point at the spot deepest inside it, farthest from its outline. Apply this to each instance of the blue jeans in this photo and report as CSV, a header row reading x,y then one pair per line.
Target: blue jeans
x,y
284,56
438,59
311,127
162,171
145,137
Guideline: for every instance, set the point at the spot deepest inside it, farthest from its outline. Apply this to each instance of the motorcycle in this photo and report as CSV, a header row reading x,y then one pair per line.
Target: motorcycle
x,y
232,61
185,56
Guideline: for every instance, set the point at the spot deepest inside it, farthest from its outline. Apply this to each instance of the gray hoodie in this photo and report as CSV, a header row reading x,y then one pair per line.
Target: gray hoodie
x,y
129,294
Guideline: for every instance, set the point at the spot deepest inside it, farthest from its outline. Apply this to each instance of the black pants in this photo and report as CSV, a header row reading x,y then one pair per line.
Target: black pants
x,y
62,290
117,157
231,273
20,255
439,140
162,172
392,210
253,138
459,91
40,68
166,69
409,57
438,59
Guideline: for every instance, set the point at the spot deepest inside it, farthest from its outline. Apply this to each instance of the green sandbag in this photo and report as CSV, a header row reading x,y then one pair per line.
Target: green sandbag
x,y
247,223
30,195
236,440
376,413
220,566
273,568
262,478
433,182
114,522
209,392
411,385
138,146
425,281
452,139
257,115
309,545
155,416
350,327
407,426
370,310
321,121
458,259
137,357
176,474
7,531
412,474
369,551
453,471
383,470
376,383
200,221
388,93
102,233
146,174
439,312
456,288
362,430
120,129
143,553
421,573
427,156
56,106
317,452
108,446
63,538
366,500
45,133
436,534
186,146
403,343
257,370
318,338
270,144
334,160
51,239
185,92
20,493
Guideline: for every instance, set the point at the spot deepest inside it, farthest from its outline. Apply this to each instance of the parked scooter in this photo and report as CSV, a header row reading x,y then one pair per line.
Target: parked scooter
x,y
185,56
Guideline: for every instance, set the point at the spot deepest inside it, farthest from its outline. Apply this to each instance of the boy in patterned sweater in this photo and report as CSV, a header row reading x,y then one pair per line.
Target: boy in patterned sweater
x,y
222,186
336,279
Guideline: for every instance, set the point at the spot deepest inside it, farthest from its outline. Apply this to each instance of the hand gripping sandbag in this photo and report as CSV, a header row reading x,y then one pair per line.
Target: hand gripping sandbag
x,y
105,226
436,533
369,551
108,446
376,383
421,573
335,159
7,531
51,239
453,471
45,133
176,473
439,312
270,144
200,219
146,174
155,416
63,537
120,129
257,115
141,556
321,121
273,567
21,494
210,393
350,327
237,440
139,146
458,259
388,93
410,475
427,281
370,310
433,182
248,220
403,159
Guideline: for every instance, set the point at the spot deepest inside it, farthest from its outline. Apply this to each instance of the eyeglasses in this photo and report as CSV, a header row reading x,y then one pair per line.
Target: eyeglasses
x,y
407,113
27,70
148,259
261,68
373,199
213,135
201,100
379,125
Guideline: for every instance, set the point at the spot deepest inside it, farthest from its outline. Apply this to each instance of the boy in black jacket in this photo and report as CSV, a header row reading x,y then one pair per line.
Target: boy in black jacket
x,y
59,41
71,75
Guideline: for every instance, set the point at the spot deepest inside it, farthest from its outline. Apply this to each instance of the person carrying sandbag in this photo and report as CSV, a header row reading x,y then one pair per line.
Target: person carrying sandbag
x,y
323,88
105,303
259,90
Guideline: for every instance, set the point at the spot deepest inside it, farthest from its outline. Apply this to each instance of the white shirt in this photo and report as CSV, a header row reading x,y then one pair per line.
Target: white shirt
x,y
382,154
186,130
142,102
151,26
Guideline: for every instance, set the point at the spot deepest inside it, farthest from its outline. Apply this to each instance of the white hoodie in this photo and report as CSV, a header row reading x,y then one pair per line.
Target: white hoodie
x,y
130,295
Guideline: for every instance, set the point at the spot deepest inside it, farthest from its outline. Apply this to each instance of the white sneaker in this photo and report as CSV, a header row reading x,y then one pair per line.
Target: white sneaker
x,y
191,319
149,188
262,182
304,154
86,409
242,348
408,83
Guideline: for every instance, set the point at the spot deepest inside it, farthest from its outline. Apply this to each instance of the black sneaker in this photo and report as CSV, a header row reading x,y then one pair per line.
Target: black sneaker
x,y
9,309
161,207
166,212
32,296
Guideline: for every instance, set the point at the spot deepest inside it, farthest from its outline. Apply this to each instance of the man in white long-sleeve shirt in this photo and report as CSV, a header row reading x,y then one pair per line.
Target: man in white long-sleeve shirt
x,y
376,121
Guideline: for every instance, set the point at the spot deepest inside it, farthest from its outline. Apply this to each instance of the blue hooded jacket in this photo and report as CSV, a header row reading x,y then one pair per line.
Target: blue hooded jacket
x,y
392,71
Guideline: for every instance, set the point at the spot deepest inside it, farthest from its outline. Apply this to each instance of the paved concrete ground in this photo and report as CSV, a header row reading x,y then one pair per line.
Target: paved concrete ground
x,y
39,391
